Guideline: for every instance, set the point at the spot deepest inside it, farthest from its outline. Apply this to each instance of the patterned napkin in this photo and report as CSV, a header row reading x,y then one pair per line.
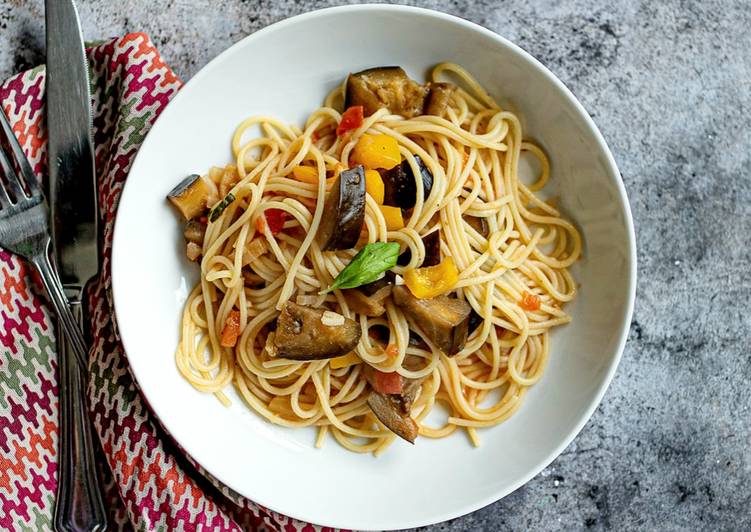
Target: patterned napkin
x,y
149,483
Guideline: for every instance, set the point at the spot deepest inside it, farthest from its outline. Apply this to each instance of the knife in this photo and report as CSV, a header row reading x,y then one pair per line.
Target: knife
x,y
73,223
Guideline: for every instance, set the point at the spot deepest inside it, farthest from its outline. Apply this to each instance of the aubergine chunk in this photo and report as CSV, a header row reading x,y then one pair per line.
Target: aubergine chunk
x,y
432,244
385,87
438,98
400,187
302,335
344,211
444,320
478,224
409,394
190,196
389,412
369,305
371,288
194,231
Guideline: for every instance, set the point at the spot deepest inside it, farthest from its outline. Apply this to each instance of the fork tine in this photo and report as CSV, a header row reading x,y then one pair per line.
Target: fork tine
x,y
7,169
27,174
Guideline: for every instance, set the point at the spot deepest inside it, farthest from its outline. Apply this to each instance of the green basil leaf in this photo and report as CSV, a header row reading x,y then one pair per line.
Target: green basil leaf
x,y
367,266
219,209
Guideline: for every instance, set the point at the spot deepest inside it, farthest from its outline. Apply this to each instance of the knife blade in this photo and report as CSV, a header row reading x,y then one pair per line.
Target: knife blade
x,y
72,196
72,183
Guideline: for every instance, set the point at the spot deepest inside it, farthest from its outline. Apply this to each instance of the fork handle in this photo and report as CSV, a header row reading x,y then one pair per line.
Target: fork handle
x,y
79,506
68,322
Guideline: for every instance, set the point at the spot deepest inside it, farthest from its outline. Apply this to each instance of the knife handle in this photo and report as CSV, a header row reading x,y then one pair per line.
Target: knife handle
x,y
79,504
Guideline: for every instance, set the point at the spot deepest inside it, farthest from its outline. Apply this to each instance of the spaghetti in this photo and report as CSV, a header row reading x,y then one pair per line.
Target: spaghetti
x,y
513,270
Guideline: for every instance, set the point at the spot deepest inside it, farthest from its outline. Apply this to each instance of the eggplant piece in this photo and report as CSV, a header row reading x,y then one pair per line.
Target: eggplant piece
x,y
372,305
400,188
190,196
371,288
444,320
301,334
409,394
388,411
385,87
432,244
193,251
194,231
379,333
478,224
475,320
345,211
438,98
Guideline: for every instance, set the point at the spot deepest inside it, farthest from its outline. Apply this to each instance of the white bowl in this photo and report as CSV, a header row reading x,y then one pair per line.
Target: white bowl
x,y
285,70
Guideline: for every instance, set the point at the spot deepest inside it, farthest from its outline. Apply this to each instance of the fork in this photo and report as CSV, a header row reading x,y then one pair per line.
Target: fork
x,y
24,231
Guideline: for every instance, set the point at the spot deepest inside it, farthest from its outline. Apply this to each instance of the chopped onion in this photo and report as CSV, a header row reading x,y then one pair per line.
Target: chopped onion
x,y
332,319
398,281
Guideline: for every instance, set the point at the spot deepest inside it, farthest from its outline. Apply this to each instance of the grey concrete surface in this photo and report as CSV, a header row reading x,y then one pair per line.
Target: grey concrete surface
x,y
669,84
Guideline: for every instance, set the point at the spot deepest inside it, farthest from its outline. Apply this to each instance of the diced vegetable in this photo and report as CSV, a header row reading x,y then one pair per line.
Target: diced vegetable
x,y
217,211
231,330
350,359
345,211
229,179
190,196
302,335
409,394
438,98
432,243
388,382
478,224
377,285
392,350
393,217
475,320
306,174
193,251
529,301
374,185
432,280
275,219
385,87
194,231
444,320
371,306
254,249
369,263
332,319
352,118
400,187
388,411
377,151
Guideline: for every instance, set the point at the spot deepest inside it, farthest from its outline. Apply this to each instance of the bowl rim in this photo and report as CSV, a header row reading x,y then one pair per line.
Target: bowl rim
x,y
614,174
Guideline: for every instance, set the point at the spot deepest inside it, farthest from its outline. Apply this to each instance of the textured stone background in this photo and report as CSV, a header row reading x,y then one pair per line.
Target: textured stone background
x,y
669,84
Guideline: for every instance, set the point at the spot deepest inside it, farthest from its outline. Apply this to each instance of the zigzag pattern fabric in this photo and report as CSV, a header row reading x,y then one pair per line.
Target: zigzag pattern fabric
x,y
150,484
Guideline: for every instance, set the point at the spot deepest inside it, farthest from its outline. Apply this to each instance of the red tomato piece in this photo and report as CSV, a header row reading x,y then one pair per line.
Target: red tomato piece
x,y
275,219
530,301
390,383
351,119
231,330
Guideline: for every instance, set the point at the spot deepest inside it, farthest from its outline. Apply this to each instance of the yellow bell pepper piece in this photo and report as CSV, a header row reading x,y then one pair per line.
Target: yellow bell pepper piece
x,y
393,217
377,151
350,359
432,281
306,174
374,185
